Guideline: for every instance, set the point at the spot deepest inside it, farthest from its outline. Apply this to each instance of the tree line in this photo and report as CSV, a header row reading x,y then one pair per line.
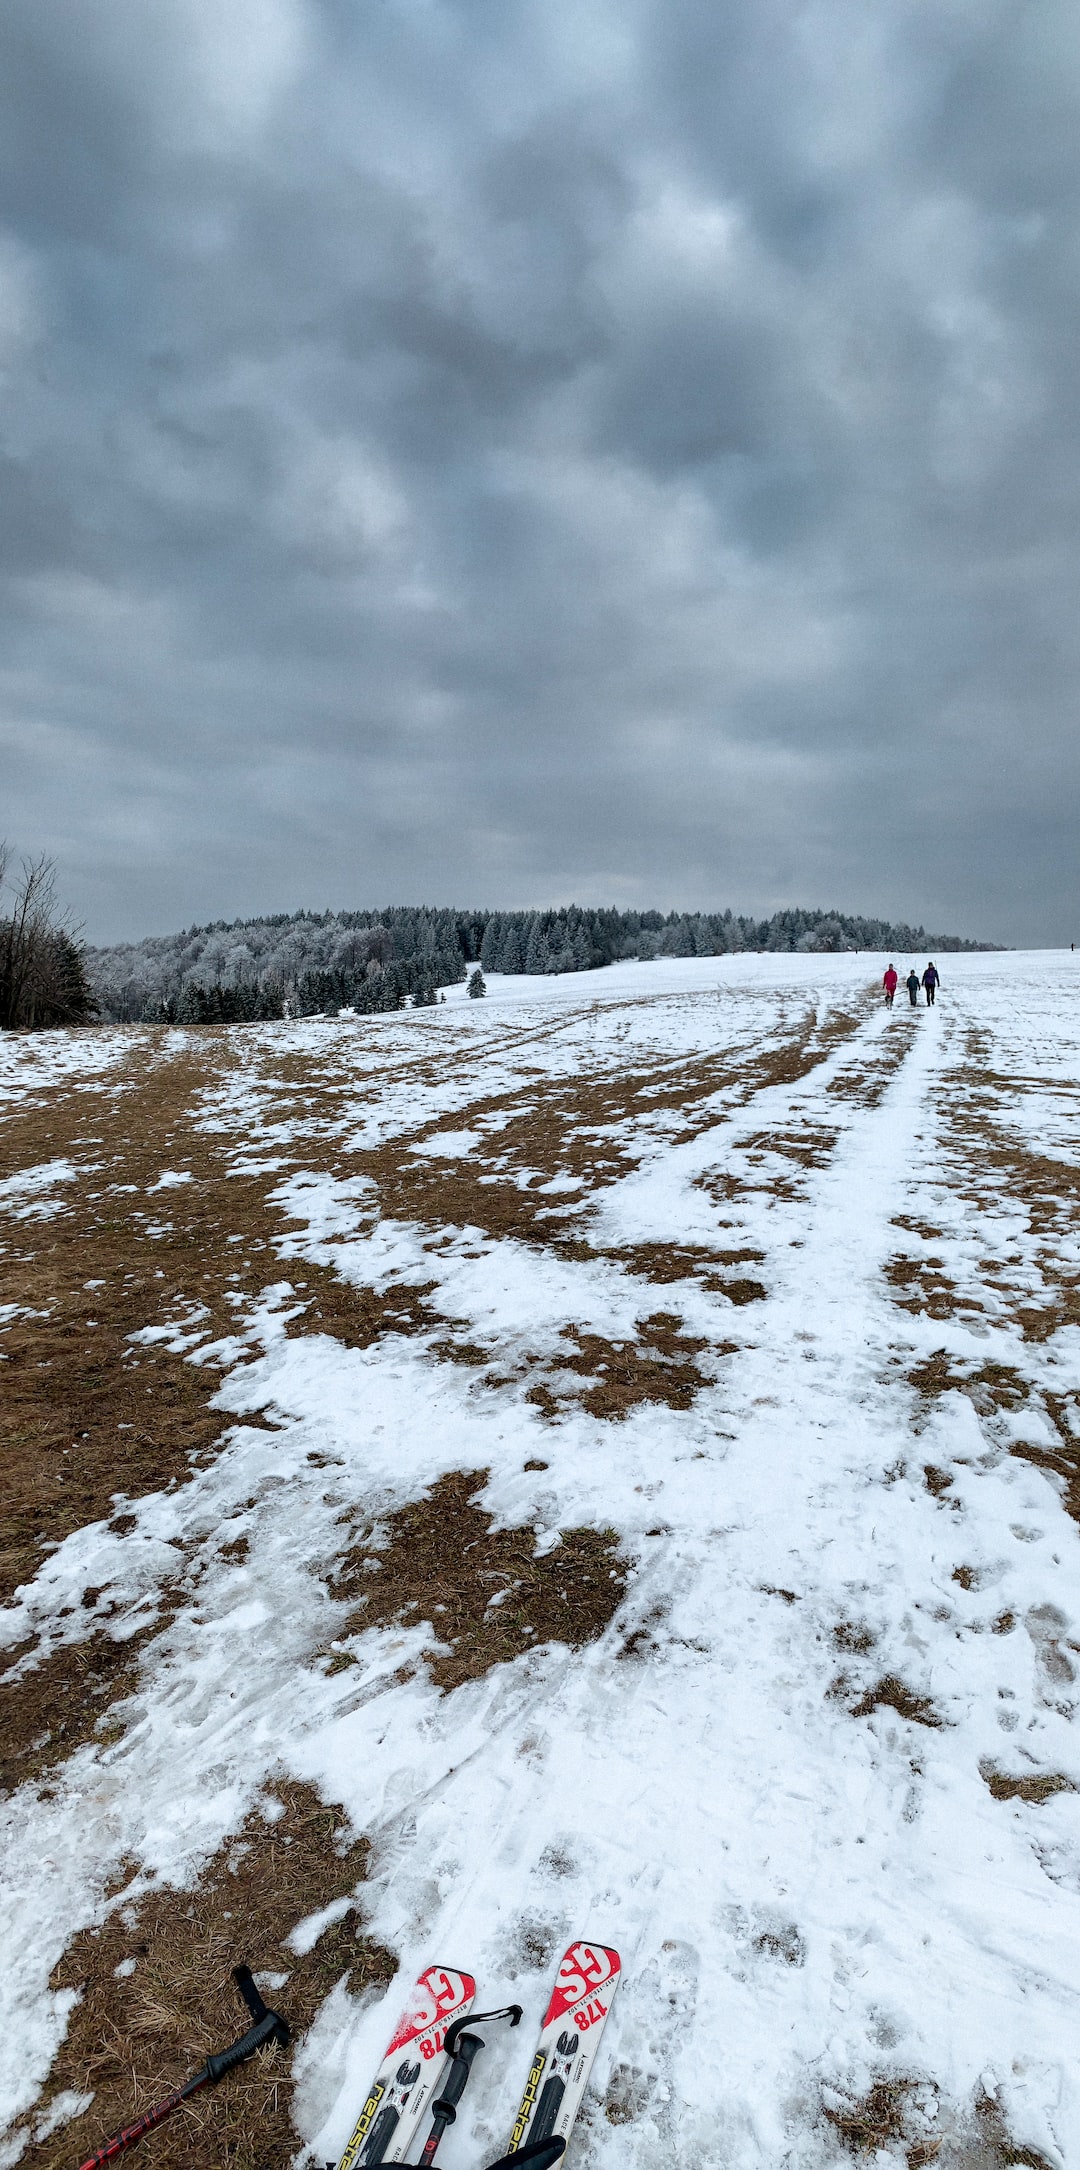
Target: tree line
x,y
305,963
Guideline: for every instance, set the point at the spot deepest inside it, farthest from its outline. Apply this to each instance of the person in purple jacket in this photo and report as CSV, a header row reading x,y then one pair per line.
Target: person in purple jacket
x,y
930,979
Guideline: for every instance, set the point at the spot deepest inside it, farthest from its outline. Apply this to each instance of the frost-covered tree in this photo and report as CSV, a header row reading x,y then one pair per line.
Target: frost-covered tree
x,y
477,984
43,978
373,960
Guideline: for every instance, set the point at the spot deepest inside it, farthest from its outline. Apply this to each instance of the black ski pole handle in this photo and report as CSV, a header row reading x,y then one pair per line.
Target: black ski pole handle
x,y
245,1982
269,2027
238,2052
466,2048
463,2048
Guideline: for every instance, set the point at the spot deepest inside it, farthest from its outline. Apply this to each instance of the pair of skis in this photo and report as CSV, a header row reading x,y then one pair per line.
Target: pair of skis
x,y
429,2057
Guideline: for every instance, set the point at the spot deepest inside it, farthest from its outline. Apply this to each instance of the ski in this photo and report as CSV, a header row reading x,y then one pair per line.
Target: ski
x,y
408,2078
585,1986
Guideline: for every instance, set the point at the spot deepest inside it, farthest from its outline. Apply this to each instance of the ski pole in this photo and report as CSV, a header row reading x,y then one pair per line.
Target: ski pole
x,y
268,2027
463,2047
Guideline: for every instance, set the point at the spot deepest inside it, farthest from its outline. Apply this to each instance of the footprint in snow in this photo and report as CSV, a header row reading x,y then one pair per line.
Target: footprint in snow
x,y
651,2018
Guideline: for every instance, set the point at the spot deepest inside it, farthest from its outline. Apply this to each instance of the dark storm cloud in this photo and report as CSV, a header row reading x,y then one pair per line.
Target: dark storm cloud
x,y
493,451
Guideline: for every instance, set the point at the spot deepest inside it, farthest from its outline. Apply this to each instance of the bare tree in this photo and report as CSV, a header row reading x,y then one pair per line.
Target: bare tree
x,y
42,970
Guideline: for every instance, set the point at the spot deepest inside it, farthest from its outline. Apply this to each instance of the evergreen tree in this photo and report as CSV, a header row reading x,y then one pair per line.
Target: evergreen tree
x,y
492,944
477,984
190,1008
512,954
537,955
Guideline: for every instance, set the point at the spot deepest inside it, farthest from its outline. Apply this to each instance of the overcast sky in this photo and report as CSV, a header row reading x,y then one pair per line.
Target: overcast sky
x,y
514,451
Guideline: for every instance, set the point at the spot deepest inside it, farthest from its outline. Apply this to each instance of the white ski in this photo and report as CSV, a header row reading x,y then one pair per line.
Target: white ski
x,y
410,2074
585,1986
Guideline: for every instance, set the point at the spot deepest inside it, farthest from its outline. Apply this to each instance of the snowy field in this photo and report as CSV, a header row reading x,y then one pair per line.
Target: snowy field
x,y
817,1777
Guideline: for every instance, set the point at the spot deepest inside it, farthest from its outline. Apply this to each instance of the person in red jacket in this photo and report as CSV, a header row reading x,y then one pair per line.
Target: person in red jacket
x,y
889,984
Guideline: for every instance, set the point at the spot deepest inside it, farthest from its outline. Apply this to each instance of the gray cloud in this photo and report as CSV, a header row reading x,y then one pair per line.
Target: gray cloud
x,y
481,451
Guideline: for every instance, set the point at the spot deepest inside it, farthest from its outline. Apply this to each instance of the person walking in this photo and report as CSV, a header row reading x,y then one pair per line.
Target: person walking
x,y
912,985
889,984
930,979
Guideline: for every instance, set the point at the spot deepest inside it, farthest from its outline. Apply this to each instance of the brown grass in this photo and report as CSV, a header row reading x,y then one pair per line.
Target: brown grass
x,y
903,2112
130,2040
357,1315
998,2143
660,1367
867,1086
927,1288
440,1560
643,1641
872,2120
48,1709
1006,1786
663,1263
565,1130
991,1162
1062,1462
91,1419
991,1387
810,1145
917,1228
86,1414
892,1693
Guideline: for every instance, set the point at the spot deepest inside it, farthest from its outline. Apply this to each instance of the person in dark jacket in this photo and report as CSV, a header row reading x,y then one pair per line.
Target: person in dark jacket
x,y
912,985
930,979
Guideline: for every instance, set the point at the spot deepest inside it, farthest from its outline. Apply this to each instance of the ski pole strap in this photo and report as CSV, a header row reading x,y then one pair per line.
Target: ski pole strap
x,y
512,2012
